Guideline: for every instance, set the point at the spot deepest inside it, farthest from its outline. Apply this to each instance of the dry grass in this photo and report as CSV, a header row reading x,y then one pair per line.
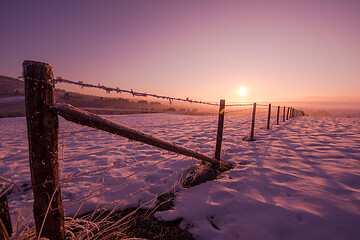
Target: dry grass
x,y
129,223
201,173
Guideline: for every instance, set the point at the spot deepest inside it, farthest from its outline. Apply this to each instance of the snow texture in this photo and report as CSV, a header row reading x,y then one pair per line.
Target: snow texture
x,y
298,180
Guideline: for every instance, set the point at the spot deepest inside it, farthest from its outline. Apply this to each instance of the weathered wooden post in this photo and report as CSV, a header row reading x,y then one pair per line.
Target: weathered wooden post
x,y
5,220
253,124
220,129
287,113
269,116
43,130
278,116
290,112
284,114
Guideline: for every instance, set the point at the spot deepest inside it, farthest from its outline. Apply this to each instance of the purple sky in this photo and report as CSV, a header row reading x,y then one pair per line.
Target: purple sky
x,y
206,50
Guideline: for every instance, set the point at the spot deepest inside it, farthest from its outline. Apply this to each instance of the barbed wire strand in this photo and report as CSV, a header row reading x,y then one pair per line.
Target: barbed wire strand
x,y
123,184
80,131
67,179
89,195
106,168
143,189
132,92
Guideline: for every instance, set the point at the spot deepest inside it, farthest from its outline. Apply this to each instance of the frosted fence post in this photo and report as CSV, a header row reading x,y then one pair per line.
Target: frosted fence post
x,y
278,116
5,220
43,130
253,124
287,113
269,116
284,114
220,129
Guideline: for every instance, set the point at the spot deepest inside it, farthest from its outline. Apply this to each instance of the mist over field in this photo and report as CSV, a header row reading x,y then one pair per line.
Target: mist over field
x,y
327,106
12,103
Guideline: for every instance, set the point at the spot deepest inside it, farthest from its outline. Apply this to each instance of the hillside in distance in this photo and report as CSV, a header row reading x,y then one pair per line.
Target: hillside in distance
x,y
12,103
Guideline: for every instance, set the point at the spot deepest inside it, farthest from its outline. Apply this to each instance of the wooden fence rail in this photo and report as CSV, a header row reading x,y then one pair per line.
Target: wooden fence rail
x,y
85,118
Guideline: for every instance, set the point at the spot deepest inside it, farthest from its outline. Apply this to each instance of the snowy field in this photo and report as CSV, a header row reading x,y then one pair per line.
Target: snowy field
x,y
299,180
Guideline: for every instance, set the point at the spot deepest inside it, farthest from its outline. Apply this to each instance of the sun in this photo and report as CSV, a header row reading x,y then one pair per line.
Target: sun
x,y
242,91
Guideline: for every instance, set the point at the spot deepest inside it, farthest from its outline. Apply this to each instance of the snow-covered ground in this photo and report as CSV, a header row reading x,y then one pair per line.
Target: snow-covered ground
x,y
299,180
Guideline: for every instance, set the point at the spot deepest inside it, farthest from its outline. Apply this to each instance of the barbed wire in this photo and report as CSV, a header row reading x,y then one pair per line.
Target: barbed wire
x,y
79,131
238,111
105,188
134,93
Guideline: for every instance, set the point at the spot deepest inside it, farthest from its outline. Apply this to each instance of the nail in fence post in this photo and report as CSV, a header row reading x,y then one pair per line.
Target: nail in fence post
x,y
284,114
5,220
287,113
220,129
269,116
43,130
253,124
278,116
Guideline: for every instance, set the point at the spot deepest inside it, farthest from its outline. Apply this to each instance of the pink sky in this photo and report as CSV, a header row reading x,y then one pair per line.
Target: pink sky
x,y
205,50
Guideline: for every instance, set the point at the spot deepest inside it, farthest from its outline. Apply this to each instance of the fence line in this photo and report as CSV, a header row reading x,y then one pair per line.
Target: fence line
x,y
40,92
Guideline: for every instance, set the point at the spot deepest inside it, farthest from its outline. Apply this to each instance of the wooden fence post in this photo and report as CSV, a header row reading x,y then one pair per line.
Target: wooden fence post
x,y
269,116
43,130
278,116
287,113
284,114
253,124
5,220
220,129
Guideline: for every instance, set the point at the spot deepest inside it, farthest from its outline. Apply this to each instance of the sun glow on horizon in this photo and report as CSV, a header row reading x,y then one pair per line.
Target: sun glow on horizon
x,y
242,91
